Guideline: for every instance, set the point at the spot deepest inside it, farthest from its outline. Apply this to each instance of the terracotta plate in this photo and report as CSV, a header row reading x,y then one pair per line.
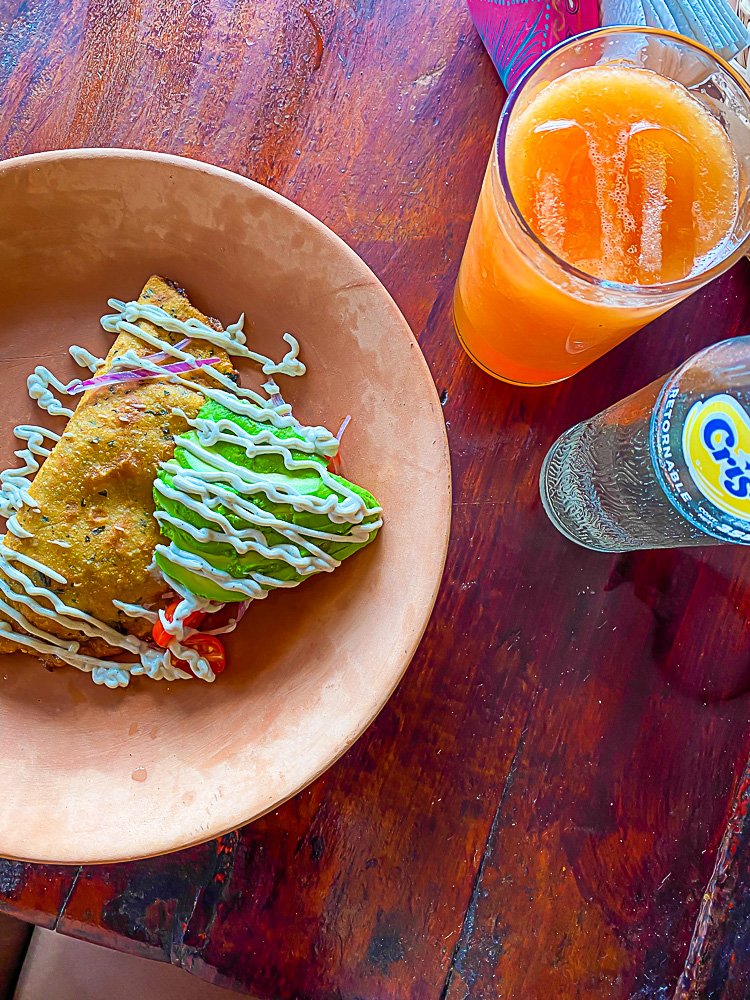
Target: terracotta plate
x,y
87,774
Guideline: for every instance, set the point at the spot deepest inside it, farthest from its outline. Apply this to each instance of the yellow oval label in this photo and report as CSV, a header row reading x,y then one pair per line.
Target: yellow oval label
x,y
716,447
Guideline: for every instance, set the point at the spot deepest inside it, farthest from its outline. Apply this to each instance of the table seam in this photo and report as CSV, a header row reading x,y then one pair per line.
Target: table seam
x,y
464,937
68,894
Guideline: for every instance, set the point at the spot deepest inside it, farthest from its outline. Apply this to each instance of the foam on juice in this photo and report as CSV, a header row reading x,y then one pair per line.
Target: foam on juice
x,y
623,174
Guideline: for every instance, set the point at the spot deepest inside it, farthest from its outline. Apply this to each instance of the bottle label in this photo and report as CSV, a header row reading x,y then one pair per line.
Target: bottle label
x,y
700,450
716,446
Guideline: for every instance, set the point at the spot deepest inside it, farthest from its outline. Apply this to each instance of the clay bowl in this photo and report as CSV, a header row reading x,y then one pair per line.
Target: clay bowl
x,y
92,775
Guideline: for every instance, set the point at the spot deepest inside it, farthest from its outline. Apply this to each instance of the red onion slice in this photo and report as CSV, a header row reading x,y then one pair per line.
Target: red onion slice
x,y
242,611
137,374
163,355
344,425
334,464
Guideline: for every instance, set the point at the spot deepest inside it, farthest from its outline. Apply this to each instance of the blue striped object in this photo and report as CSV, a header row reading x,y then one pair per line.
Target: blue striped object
x,y
517,32
711,22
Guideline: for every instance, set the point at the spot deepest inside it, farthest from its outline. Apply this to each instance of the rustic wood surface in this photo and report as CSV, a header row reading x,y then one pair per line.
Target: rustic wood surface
x,y
553,802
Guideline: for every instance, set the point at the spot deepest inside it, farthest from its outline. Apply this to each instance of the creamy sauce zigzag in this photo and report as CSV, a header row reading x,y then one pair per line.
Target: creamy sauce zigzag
x,y
215,482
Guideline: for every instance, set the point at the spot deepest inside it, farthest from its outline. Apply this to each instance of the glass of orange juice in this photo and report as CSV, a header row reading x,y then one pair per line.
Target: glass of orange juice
x,y
619,183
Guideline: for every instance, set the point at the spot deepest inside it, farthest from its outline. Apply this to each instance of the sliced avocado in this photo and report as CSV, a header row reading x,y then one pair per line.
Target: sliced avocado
x,y
224,557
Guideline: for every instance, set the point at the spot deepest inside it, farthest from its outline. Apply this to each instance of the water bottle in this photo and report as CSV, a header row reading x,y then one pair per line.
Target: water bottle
x,y
668,466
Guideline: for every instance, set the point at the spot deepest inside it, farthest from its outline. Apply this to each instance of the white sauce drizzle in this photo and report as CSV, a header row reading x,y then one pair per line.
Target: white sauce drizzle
x,y
136,611
213,483
85,359
39,383
15,483
232,340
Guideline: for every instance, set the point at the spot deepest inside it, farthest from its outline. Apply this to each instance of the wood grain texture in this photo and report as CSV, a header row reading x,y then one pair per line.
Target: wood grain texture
x,y
717,964
541,807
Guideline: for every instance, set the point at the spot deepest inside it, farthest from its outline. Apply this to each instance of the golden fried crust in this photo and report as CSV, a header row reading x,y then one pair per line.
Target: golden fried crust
x,y
95,489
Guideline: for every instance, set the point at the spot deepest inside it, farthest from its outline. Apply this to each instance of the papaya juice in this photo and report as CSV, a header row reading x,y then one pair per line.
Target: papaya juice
x,y
627,183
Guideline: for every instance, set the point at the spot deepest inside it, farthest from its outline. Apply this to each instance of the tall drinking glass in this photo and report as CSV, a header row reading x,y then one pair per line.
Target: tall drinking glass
x,y
618,184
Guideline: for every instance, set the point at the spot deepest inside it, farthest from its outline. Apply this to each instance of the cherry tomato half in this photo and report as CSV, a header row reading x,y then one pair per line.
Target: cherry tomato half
x,y
211,648
160,634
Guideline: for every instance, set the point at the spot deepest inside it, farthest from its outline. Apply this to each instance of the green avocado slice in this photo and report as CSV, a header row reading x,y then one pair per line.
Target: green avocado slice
x,y
223,556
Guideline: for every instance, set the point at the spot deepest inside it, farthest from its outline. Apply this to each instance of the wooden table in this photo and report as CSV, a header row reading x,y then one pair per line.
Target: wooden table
x,y
553,803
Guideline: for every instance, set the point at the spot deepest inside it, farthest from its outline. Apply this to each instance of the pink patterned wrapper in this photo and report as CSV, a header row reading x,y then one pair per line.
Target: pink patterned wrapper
x,y
517,32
